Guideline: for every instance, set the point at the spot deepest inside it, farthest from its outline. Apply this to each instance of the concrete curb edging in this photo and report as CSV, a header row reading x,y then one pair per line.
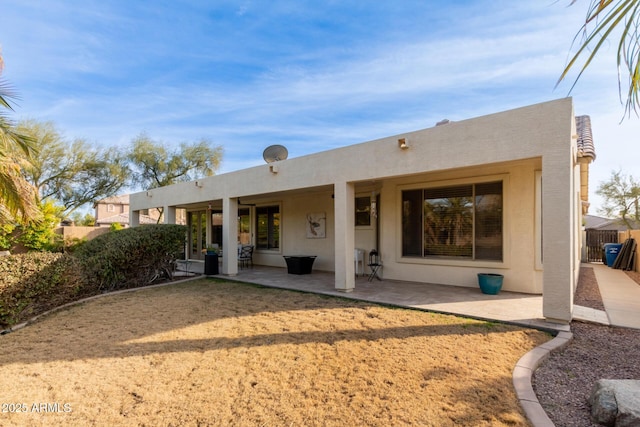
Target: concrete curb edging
x,y
523,373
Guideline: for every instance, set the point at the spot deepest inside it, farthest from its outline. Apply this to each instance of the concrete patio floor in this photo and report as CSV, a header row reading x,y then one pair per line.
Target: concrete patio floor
x,y
509,307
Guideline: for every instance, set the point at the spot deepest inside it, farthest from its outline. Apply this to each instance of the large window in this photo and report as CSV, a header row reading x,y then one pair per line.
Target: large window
x,y
363,211
268,227
462,221
244,226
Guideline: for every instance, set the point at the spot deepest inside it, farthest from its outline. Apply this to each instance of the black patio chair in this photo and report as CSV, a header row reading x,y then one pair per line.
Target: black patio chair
x,y
375,264
245,256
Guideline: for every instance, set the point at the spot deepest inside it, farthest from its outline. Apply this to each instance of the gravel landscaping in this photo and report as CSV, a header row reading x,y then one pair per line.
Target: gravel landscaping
x,y
563,383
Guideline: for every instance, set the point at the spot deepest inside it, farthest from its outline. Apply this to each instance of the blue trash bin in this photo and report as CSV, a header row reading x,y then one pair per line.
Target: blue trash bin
x,y
611,251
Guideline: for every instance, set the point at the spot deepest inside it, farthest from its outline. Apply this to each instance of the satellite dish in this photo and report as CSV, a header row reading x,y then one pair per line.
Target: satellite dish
x,y
273,153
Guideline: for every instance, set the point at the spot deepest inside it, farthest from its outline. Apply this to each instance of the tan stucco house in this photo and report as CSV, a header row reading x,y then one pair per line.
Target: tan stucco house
x,y
115,209
499,193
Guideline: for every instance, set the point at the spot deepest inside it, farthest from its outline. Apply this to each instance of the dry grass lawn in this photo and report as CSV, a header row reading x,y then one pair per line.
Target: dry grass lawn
x,y
229,354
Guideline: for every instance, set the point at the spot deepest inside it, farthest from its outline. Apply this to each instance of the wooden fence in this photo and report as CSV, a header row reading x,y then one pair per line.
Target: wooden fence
x,y
595,241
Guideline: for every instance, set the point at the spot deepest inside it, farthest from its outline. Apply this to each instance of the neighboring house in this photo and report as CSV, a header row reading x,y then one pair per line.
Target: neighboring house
x,y
592,222
499,193
115,209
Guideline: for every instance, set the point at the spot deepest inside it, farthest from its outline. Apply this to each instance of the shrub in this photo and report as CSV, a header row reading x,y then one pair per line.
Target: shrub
x,y
73,244
6,236
116,226
131,257
35,282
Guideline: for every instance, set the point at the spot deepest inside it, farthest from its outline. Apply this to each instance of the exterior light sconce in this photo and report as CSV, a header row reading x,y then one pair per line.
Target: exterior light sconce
x,y
403,144
374,205
199,184
273,169
149,194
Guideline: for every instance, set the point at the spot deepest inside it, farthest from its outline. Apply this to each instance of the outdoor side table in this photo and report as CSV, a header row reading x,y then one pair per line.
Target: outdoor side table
x,y
299,264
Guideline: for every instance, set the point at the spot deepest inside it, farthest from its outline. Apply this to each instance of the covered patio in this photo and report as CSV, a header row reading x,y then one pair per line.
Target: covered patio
x,y
510,307
441,205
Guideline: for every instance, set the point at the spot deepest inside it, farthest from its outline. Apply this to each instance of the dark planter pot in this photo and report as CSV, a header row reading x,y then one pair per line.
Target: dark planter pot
x,y
490,283
211,264
299,264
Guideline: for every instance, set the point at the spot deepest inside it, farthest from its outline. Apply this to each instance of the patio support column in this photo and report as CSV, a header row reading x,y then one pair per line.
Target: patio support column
x,y
559,225
208,237
169,214
344,208
229,236
134,218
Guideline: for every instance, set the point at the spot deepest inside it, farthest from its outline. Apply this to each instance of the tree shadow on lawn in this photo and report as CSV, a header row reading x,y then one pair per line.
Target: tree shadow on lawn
x,y
204,315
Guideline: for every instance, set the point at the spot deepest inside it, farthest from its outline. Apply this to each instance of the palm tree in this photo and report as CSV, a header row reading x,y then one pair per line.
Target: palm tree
x,y
605,16
17,196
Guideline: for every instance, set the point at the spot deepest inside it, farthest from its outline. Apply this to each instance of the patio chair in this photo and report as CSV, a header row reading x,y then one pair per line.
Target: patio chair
x,y
375,264
245,255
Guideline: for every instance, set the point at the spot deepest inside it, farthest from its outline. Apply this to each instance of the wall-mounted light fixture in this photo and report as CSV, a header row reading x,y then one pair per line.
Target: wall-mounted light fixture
x,y
374,205
273,168
403,143
199,184
149,194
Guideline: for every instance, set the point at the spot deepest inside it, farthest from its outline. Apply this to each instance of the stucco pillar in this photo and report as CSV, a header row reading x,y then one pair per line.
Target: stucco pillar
x,y
134,218
169,213
344,212
229,236
208,232
559,227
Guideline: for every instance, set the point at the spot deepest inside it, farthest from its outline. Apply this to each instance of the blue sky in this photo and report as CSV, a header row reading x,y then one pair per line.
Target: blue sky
x,y
310,75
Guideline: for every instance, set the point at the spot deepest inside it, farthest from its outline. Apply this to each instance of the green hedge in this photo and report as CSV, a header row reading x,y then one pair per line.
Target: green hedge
x,y
35,282
131,257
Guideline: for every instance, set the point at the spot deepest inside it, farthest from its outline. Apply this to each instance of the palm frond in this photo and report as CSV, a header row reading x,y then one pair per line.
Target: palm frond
x,y
6,93
606,16
17,196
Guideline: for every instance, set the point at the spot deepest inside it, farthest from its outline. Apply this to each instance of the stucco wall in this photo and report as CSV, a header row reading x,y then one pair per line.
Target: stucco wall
x,y
294,210
79,232
502,137
518,265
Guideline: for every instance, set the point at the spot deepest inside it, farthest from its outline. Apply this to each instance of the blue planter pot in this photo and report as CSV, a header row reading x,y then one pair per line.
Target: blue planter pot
x,y
490,283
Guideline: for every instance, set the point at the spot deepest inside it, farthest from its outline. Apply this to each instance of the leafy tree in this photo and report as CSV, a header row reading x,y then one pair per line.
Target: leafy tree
x,y
603,18
621,198
153,166
86,220
35,235
71,174
39,235
17,197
